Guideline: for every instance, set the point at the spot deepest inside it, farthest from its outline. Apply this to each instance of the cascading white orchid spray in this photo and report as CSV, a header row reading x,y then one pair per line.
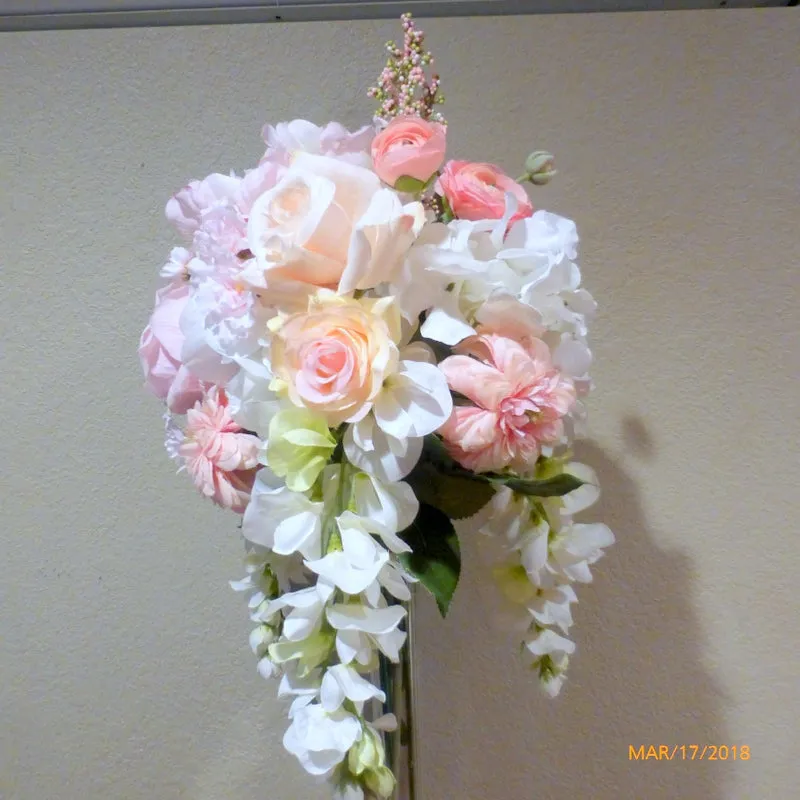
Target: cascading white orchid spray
x,y
369,343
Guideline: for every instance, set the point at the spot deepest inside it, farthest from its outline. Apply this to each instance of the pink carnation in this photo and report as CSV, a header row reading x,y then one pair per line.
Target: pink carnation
x,y
520,399
221,460
160,351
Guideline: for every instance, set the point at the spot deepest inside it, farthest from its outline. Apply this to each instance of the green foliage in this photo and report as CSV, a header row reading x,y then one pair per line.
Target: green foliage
x,y
436,556
550,487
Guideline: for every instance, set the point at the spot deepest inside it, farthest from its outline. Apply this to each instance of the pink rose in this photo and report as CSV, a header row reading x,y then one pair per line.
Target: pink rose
x,y
520,400
408,146
160,351
478,191
221,460
334,358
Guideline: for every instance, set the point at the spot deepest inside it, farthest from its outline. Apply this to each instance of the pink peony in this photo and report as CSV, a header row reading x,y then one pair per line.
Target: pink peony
x,y
188,208
160,351
408,147
286,139
221,460
520,399
478,191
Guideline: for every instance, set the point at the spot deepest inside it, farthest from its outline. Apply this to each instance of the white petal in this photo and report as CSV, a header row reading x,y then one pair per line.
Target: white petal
x,y
391,643
332,692
353,617
415,402
548,641
299,534
572,357
446,323
379,454
337,568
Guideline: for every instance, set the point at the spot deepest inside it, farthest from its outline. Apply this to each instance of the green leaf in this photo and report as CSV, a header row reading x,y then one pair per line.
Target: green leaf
x,y
457,496
550,487
405,183
436,556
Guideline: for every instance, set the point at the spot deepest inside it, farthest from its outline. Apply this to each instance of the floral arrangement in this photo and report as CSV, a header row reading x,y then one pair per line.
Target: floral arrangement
x,y
366,349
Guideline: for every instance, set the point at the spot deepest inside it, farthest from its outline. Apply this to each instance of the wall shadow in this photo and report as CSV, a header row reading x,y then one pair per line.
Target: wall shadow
x,y
637,678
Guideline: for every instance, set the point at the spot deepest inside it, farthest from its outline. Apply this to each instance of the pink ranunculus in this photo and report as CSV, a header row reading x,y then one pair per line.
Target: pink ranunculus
x,y
478,191
220,458
408,146
520,400
160,351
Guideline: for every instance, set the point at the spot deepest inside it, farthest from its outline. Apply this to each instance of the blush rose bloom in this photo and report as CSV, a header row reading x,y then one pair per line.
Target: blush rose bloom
x,y
160,348
478,191
220,458
520,400
408,146
334,357
328,223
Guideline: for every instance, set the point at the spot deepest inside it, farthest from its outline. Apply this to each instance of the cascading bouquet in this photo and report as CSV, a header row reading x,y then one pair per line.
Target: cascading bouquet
x,y
370,343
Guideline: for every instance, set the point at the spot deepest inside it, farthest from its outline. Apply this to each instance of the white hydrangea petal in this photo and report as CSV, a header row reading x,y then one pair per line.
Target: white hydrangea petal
x,y
572,357
446,322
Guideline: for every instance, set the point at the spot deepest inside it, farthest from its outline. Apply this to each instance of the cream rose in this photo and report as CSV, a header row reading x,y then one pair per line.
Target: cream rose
x,y
334,358
328,223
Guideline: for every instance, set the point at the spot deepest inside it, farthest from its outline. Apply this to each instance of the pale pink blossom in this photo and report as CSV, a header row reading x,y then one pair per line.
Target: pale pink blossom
x,y
187,209
221,459
286,139
520,400
160,351
478,191
408,147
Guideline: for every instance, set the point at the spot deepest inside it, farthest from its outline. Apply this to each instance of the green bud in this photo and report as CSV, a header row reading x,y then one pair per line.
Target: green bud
x,y
380,781
309,653
539,168
366,754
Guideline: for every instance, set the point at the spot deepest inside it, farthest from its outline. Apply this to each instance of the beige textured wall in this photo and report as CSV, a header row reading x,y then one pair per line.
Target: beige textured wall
x,y
125,671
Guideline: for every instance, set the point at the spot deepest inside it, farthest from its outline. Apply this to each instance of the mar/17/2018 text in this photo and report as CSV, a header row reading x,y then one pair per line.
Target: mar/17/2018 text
x,y
688,752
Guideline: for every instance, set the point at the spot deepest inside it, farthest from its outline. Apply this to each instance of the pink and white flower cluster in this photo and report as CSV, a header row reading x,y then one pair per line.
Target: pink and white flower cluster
x,y
330,315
